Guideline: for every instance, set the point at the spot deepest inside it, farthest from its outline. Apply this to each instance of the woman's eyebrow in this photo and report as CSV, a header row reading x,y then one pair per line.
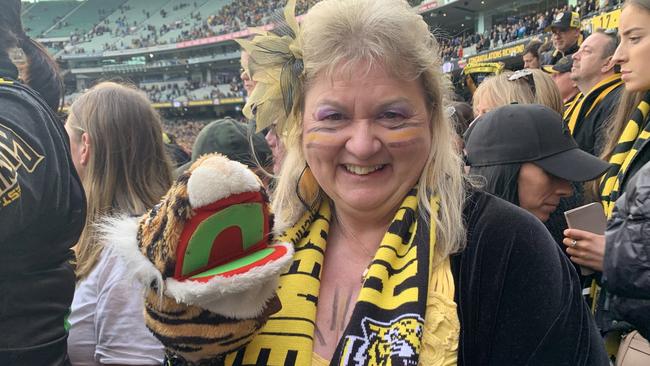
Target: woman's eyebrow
x,y
330,103
399,101
628,31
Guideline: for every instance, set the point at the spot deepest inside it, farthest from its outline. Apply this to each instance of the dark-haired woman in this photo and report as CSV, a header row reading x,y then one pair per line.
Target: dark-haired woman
x,y
42,205
528,158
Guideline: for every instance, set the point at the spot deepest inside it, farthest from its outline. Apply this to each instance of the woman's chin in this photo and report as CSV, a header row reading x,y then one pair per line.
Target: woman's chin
x,y
370,201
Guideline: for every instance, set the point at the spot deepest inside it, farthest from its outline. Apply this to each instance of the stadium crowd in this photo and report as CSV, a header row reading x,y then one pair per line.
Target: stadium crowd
x,y
503,225
185,91
232,17
184,131
515,28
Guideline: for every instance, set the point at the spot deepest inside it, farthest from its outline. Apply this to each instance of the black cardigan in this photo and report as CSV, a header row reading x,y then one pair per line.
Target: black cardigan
x,y
519,298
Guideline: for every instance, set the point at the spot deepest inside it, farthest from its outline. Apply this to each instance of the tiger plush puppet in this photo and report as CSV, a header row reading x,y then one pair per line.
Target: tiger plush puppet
x,y
204,256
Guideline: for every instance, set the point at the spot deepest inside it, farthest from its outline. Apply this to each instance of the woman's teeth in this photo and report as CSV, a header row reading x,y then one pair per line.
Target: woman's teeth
x,y
362,170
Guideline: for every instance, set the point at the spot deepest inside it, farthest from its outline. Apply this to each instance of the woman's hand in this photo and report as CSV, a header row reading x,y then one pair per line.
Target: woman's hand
x,y
585,248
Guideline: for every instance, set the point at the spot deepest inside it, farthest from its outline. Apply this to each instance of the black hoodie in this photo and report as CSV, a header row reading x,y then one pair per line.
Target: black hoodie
x,y
42,214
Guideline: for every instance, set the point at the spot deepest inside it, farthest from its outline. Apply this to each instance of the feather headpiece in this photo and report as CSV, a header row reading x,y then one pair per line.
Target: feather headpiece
x,y
275,63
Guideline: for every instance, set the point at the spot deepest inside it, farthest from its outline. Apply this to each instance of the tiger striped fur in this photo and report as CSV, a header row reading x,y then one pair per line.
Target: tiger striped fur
x,y
195,321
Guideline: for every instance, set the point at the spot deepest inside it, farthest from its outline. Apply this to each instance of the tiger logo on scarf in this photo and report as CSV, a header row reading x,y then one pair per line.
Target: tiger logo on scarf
x,y
204,257
394,343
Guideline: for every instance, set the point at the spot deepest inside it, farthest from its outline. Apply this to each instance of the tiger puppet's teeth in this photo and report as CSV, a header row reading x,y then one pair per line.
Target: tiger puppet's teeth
x,y
207,258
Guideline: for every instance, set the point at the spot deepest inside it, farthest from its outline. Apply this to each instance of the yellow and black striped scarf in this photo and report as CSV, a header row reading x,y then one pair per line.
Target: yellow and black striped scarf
x,y
387,322
580,107
568,104
635,134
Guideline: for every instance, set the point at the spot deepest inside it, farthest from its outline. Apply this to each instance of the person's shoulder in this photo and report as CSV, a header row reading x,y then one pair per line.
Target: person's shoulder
x,y
487,212
110,269
546,57
20,109
15,93
643,178
497,226
611,99
636,200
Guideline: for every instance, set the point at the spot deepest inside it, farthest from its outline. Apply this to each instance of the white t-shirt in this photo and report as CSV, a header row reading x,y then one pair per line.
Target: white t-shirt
x,y
107,320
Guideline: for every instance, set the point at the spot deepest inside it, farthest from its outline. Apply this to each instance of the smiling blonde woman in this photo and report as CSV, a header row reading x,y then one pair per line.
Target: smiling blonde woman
x,y
396,261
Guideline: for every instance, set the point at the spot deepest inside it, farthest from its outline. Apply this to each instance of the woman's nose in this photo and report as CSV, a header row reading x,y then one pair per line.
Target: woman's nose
x,y
362,142
563,188
619,55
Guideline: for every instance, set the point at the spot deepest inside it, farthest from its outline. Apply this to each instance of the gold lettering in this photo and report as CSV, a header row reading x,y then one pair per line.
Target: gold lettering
x,y
8,174
497,54
19,150
15,153
13,195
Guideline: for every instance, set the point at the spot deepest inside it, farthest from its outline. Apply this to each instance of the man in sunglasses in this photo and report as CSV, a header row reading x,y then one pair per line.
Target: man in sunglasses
x,y
566,36
599,81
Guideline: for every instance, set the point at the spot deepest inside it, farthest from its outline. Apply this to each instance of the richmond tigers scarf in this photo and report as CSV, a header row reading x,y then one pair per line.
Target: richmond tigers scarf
x,y
635,134
580,107
387,322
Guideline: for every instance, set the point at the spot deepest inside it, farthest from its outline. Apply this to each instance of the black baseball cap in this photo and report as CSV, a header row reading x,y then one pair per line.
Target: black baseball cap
x,y
561,66
566,20
530,133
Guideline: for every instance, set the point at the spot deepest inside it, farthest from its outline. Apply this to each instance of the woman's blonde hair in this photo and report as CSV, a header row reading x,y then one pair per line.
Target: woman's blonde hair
x,y
128,169
337,37
499,90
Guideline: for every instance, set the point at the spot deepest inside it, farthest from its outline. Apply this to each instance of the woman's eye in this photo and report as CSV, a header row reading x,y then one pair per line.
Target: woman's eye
x,y
329,116
634,39
333,117
391,115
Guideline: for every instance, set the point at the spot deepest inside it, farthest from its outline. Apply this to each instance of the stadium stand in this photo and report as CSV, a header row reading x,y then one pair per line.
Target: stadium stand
x,y
159,44
181,53
42,16
83,18
128,18
159,22
512,29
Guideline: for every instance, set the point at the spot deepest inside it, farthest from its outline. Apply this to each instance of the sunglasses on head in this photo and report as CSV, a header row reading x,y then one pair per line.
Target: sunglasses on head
x,y
527,75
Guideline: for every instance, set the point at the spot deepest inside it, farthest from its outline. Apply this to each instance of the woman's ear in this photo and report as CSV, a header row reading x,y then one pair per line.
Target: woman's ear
x,y
85,146
609,65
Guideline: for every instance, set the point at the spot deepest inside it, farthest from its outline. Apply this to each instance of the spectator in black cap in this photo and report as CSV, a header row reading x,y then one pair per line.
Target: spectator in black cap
x,y
561,74
528,157
566,34
231,138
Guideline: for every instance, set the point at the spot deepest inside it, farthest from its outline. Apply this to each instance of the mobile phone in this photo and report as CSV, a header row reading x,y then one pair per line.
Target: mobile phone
x,y
590,218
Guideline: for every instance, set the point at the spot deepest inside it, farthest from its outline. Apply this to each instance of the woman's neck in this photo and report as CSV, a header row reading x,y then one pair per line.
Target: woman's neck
x,y
364,230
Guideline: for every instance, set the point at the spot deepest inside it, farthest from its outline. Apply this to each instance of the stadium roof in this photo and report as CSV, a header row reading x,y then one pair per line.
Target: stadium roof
x,y
457,15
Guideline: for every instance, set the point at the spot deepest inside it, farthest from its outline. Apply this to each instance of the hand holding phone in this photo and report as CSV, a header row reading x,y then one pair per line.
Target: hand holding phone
x,y
589,218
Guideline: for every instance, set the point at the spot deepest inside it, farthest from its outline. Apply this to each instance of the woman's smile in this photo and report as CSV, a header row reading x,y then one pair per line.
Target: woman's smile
x,y
366,142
